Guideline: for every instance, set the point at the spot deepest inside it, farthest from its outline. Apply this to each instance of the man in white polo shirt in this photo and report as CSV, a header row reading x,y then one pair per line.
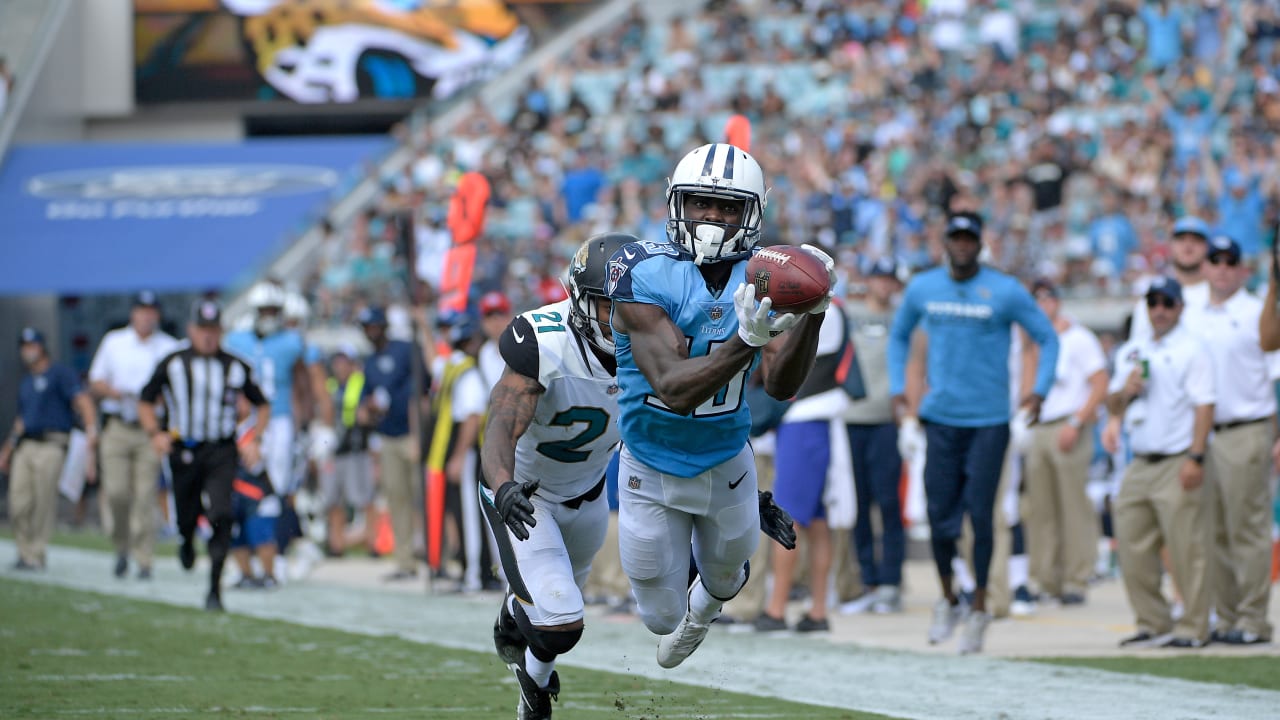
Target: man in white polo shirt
x,y
1061,525
1165,388
1238,467
1187,252
123,364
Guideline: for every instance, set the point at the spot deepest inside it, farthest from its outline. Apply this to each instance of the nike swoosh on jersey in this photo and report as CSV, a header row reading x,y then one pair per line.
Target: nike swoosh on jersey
x,y
733,485
630,255
519,338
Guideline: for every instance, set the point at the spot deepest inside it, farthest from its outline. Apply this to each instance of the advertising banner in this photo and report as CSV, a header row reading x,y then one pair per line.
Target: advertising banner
x,y
101,218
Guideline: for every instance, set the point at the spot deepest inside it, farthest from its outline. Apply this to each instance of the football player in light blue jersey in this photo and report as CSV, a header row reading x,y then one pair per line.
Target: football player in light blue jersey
x,y
967,310
278,356
688,332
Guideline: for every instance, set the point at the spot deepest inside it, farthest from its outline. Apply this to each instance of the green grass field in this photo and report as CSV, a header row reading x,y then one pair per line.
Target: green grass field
x,y
65,652
1260,671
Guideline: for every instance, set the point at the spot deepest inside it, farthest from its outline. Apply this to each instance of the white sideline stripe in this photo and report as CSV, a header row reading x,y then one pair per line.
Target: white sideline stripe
x,y
896,683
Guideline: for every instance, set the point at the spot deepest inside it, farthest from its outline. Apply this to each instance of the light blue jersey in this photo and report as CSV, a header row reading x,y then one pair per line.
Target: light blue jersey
x,y
273,359
968,323
716,431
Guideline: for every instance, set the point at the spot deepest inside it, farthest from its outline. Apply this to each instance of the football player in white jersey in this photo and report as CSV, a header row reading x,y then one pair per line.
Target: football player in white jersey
x,y
550,434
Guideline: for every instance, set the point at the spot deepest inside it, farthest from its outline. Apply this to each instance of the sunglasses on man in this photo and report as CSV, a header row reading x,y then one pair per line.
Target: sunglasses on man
x,y
1161,301
1219,259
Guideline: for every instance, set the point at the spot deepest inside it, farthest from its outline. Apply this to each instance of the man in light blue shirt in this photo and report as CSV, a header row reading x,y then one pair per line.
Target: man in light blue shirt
x,y
967,310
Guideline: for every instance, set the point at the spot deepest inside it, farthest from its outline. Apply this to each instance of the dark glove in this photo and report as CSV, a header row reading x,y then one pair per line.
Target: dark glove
x,y
776,522
512,502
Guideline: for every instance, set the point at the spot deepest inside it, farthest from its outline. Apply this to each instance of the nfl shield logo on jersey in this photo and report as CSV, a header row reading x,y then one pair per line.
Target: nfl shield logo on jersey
x,y
716,313
634,482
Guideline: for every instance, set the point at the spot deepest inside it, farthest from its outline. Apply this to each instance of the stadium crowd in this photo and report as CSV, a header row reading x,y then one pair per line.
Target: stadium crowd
x,y
1083,137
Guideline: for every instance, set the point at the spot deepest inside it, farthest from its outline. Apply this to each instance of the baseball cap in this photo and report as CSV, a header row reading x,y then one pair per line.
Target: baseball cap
x,y
1191,224
463,327
30,335
1165,287
206,313
146,298
1044,286
883,267
494,302
964,222
1221,244
372,316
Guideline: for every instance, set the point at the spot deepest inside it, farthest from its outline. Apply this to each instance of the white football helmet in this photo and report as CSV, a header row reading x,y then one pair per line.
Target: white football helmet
x,y
267,300
296,309
724,171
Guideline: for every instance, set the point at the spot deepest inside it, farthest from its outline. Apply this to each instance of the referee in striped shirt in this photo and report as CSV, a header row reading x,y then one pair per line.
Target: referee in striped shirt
x,y
199,385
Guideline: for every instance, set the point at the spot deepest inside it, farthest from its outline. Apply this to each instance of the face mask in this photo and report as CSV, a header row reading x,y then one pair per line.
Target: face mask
x,y
267,324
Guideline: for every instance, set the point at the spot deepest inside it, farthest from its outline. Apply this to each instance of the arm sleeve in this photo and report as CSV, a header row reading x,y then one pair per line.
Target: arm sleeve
x,y
159,378
1091,358
469,395
1200,383
630,279
1036,323
1124,366
98,368
904,322
832,332
518,346
71,385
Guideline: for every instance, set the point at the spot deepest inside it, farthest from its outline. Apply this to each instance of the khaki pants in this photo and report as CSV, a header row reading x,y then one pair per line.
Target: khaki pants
x,y
399,458
1153,511
1062,528
607,578
33,494
1238,480
129,472
749,602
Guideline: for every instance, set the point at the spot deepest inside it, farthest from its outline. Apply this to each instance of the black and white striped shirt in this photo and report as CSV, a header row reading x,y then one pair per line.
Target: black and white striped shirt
x,y
200,393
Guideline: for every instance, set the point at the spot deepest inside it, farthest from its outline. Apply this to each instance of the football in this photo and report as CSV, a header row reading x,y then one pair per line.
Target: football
x,y
795,280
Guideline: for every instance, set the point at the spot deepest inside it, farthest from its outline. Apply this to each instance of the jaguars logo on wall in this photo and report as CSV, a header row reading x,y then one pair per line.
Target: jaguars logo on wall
x,y
334,51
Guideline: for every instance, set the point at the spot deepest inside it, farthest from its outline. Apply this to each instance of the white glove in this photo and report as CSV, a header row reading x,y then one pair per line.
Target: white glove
x,y
1020,431
910,437
830,264
755,326
269,507
324,442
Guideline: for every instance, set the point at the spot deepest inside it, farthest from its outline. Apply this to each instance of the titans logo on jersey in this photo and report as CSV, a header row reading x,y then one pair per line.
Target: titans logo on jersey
x,y
273,359
573,434
681,445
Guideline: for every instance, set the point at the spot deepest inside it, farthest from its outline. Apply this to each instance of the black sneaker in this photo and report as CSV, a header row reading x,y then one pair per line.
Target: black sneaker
x,y
122,566
507,637
1144,639
25,566
1070,599
768,623
247,582
1184,643
144,573
1242,637
187,554
400,575
535,702
809,625
213,602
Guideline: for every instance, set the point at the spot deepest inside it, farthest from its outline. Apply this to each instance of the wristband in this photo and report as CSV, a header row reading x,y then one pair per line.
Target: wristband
x,y
1197,458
